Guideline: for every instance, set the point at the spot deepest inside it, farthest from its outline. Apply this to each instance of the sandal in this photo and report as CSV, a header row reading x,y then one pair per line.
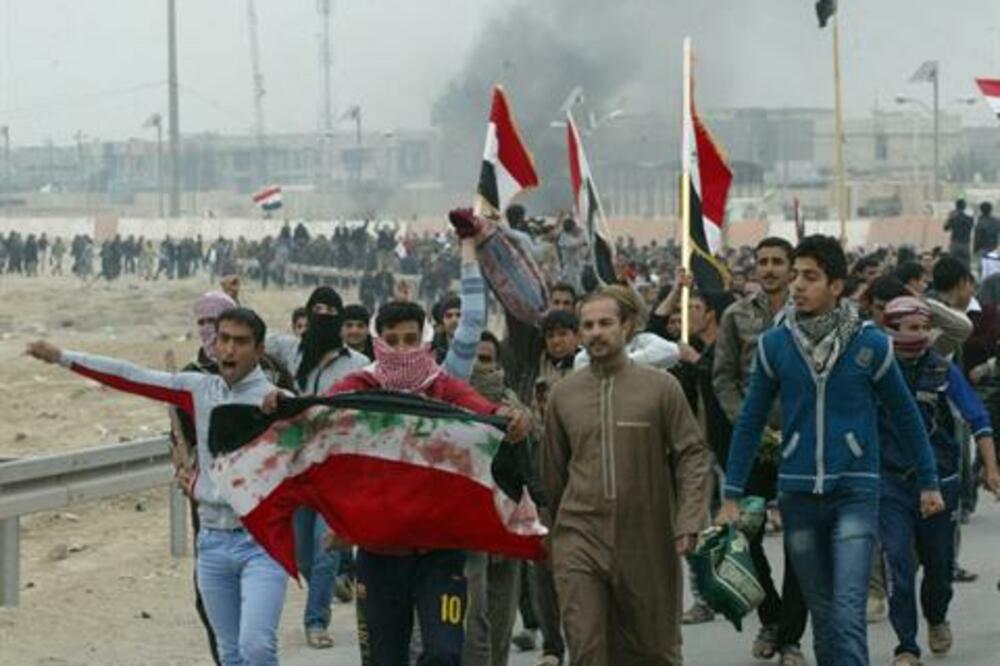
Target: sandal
x,y
318,638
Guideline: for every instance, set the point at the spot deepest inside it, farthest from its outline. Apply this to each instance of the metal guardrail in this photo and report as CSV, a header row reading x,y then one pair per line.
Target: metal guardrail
x,y
48,483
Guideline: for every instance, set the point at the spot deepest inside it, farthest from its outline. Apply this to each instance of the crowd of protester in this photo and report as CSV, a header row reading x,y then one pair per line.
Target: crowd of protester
x,y
900,334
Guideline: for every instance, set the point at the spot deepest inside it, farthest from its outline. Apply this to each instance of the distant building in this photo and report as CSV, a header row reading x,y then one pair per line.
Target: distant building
x,y
776,155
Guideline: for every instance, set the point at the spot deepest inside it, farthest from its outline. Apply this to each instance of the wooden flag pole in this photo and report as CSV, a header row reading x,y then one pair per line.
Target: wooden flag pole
x,y
839,133
685,220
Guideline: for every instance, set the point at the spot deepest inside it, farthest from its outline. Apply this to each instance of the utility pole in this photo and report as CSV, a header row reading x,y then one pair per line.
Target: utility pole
x,y
937,132
5,133
325,9
258,94
839,133
174,105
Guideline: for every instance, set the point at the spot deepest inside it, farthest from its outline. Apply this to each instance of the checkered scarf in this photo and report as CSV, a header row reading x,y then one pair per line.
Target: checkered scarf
x,y
824,336
409,371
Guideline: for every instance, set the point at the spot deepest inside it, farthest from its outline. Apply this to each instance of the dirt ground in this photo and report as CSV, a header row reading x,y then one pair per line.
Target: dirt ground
x,y
98,584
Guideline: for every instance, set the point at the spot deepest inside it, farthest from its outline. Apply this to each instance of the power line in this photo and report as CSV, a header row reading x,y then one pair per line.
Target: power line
x,y
60,101
218,106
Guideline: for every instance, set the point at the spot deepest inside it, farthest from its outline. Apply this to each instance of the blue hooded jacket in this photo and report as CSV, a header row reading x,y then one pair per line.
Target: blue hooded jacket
x,y
829,419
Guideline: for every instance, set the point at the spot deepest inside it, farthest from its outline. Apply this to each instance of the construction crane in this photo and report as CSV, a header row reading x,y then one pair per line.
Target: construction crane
x,y
258,95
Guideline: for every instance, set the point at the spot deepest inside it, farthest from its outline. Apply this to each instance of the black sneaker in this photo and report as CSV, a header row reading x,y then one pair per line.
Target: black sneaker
x,y
961,575
525,640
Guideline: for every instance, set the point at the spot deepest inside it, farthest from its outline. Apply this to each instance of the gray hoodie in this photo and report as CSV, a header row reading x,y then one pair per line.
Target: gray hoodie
x,y
196,393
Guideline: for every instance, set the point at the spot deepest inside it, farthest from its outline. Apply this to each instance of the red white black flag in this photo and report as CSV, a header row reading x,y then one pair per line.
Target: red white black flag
x,y
587,206
709,188
269,198
991,91
508,167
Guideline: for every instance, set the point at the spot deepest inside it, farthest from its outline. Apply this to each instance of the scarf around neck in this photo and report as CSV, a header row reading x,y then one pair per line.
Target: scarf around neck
x,y
409,371
825,336
489,384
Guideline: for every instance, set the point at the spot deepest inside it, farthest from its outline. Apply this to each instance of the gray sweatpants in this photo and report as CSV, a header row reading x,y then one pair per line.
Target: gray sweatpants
x,y
492,587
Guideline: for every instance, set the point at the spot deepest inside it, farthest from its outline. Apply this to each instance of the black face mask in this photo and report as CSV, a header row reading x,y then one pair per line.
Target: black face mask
x,y
321,337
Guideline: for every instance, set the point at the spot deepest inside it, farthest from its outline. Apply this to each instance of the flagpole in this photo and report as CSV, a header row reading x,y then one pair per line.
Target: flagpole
x,y
841,191
602,218
685,220
577,145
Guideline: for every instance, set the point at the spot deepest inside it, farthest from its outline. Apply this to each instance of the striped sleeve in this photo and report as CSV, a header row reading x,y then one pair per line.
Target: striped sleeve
x,y
175,388
462,351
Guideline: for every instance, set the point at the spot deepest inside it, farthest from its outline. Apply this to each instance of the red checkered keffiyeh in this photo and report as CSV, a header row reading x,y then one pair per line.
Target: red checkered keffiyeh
x,y
407,371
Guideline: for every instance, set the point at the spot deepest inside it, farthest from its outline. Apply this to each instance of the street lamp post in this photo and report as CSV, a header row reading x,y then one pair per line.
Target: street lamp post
x,y
935,112
156,120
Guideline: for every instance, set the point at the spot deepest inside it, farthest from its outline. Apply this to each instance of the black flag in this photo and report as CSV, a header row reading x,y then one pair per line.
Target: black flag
x,y
824,10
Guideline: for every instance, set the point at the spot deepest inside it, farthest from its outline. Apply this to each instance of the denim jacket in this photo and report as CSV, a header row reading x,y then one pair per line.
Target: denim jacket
x,y
829,419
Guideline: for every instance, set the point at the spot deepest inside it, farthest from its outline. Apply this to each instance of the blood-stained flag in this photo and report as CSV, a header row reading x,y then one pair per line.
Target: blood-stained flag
x,y
387,471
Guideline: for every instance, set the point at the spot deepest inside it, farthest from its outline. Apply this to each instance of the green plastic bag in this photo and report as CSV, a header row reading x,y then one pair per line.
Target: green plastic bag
x,y
723,569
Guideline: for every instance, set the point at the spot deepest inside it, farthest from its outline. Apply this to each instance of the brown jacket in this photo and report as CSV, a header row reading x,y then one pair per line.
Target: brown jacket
x,y
741,325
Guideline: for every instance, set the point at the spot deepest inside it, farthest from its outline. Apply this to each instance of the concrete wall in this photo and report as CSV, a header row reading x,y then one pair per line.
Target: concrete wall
x,y
913,230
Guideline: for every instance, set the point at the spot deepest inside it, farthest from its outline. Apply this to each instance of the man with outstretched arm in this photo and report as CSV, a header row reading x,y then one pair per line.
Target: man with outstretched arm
x,y
243,588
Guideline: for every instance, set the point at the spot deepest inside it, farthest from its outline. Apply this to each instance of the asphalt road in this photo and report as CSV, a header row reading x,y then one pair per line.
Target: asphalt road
x,y
974,618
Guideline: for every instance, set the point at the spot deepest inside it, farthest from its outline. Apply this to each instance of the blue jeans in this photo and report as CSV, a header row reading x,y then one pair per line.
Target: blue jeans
x,y
830,538
243,589
900,528
318,566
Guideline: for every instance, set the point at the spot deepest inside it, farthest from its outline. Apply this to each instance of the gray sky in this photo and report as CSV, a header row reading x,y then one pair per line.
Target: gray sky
x,y
99,65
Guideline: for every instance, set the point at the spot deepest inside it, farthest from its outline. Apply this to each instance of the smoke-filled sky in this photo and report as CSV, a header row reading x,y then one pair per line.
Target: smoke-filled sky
x,y
100,66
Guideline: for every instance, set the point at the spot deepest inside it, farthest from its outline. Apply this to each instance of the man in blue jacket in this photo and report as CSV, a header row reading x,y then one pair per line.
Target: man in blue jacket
x,y
831,371
936,384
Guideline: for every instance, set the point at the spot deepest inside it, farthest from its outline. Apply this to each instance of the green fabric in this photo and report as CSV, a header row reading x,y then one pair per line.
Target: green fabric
x,y
723,569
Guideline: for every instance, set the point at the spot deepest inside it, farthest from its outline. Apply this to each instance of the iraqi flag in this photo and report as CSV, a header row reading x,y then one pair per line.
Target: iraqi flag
x,y
709,188
387,471
991,91
587,205
508,167
269,198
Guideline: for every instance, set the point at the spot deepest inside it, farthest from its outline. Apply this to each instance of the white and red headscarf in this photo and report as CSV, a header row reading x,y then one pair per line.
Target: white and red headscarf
x,y
210,306
909,345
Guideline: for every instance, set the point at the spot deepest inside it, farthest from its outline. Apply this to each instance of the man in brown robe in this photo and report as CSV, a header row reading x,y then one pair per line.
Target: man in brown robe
x,y
626,469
